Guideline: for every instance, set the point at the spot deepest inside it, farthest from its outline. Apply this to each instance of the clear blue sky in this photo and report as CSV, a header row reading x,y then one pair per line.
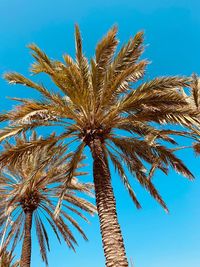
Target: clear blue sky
x,y
172,27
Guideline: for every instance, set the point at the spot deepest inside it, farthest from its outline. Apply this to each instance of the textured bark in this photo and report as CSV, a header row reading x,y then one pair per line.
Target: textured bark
x,y
113,244
26,247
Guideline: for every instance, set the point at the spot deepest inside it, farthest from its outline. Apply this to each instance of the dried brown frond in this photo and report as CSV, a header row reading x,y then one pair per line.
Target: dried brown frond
x,y
14,153
75,159
196,147
124,178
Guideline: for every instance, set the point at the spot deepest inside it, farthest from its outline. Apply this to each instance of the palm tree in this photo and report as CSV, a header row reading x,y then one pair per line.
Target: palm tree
x,y
30,185
6,260
101,107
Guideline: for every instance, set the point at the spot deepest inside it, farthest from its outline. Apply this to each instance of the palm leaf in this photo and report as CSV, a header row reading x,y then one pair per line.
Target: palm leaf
x,y
120,169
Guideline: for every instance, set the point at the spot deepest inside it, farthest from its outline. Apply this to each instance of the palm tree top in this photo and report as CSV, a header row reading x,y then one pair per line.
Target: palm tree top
x,y
105,99
33,182
7,260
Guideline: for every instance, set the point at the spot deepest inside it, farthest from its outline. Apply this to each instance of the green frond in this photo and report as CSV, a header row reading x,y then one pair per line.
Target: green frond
x,y
45,234
54,228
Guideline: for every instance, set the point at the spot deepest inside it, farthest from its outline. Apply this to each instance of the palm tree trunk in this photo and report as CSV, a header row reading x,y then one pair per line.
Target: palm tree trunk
x,y
113,244
26,247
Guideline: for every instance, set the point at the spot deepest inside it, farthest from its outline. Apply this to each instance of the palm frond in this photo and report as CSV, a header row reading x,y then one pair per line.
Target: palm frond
x,y
14,154
73,165
195,90
124,178
104,53
159,90
196,147
122,82
36,180
85,71
7,259
43,64
41,240
167,156
16,78
137,169
129,54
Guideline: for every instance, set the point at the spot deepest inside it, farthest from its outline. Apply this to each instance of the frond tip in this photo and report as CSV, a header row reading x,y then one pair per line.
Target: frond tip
x,y
196,147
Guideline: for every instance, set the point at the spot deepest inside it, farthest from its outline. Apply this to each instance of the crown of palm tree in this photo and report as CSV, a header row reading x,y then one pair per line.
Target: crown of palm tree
x,y
101,100
6,260
33,182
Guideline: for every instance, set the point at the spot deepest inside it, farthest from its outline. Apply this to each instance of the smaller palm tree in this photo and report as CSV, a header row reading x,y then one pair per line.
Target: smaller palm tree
x,y
6,260
30,185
